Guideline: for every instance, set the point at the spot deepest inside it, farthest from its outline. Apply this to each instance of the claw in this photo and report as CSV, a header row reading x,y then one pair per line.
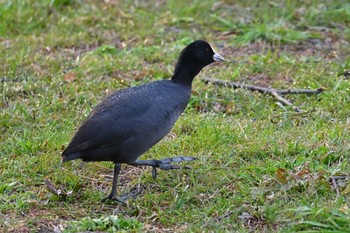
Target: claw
x,y
177,159
164,164
168,167
137,190
108,199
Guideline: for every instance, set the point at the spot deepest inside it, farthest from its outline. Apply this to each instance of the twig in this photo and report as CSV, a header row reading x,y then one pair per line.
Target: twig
x,y
218,219
335,179
341,177
236,85
228,214
274,92
286,102
345,73
135,191
335,185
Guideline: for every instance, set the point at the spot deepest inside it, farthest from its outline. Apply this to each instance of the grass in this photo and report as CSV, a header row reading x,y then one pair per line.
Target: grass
x,y
261,166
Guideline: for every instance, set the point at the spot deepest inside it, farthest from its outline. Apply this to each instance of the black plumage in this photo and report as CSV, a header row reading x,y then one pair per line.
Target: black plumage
x,y
130,121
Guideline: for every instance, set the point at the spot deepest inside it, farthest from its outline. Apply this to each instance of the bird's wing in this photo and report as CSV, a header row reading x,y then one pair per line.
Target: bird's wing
x,y
108,124
96,132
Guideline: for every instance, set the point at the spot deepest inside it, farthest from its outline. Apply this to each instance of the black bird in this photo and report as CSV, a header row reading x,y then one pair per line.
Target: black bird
x,y
130,121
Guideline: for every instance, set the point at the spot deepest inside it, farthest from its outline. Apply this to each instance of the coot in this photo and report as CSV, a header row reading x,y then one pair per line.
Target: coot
x,y
130,121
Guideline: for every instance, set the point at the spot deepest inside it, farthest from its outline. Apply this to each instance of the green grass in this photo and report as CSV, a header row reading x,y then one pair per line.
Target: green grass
x,y
261,167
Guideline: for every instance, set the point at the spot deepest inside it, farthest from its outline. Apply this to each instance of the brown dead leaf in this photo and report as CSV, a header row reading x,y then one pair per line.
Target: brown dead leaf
x,y
120,76
230,108
44,144
69,77
281,175
344,209
302,173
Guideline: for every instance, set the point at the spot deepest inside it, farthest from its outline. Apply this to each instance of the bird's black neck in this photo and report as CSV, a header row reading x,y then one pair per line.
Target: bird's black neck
x,y
186,74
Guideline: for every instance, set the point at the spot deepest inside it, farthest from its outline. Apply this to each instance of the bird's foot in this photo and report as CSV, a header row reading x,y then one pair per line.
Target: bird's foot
x,y
137,190
164,164
110,198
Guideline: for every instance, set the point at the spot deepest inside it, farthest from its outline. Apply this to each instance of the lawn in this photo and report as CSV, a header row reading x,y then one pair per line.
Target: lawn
x,y
261,165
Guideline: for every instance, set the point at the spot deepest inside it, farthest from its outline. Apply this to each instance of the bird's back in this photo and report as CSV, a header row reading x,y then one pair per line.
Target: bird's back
x,y
129,122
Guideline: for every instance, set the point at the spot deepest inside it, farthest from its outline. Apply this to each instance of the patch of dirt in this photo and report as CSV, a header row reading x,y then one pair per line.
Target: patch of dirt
x,y
103,179
38,222
261,80
130,172
19,229
253,223
328,46
158,228
265,80
135,75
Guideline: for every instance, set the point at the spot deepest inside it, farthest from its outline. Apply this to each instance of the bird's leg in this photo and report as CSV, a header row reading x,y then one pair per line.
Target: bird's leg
x,y
163,164
113,195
